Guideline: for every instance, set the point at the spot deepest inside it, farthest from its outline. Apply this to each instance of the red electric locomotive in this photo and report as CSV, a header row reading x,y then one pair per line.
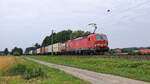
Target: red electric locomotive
x,y
92,44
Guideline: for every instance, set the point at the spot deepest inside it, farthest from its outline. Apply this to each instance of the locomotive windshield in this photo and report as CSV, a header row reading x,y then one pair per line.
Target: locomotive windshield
x,y
101,37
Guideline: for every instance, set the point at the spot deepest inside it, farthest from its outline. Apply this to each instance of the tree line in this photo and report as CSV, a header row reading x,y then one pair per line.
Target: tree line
x,y
130,50
15,51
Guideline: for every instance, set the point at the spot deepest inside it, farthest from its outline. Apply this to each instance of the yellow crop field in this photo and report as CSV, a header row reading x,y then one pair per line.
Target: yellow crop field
x,y
6,62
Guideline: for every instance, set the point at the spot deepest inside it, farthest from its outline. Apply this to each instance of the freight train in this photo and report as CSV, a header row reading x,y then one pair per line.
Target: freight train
x,y
92,44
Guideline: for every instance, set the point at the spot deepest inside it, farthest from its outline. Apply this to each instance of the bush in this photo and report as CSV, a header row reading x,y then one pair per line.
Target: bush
x,y
33,73
18,69
16,54
26,72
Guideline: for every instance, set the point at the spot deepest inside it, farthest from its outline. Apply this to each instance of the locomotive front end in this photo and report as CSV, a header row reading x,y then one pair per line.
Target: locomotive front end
x,y
101,43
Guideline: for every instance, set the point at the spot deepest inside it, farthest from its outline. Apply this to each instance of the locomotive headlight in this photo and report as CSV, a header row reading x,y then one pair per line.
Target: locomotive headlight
x,y
96,45
100,45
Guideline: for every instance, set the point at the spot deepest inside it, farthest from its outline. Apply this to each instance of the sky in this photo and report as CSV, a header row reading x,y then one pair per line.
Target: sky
x,y
26,22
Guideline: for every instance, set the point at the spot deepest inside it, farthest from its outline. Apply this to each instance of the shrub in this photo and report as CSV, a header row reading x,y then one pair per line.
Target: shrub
x,y
33,73
16,54
27,72
18,69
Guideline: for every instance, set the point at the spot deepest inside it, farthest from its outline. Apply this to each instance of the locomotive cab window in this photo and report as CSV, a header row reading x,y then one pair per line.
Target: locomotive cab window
x,y
101,37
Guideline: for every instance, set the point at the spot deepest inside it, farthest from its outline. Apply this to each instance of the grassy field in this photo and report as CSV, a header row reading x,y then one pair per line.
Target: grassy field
x,y
135,69
22,71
